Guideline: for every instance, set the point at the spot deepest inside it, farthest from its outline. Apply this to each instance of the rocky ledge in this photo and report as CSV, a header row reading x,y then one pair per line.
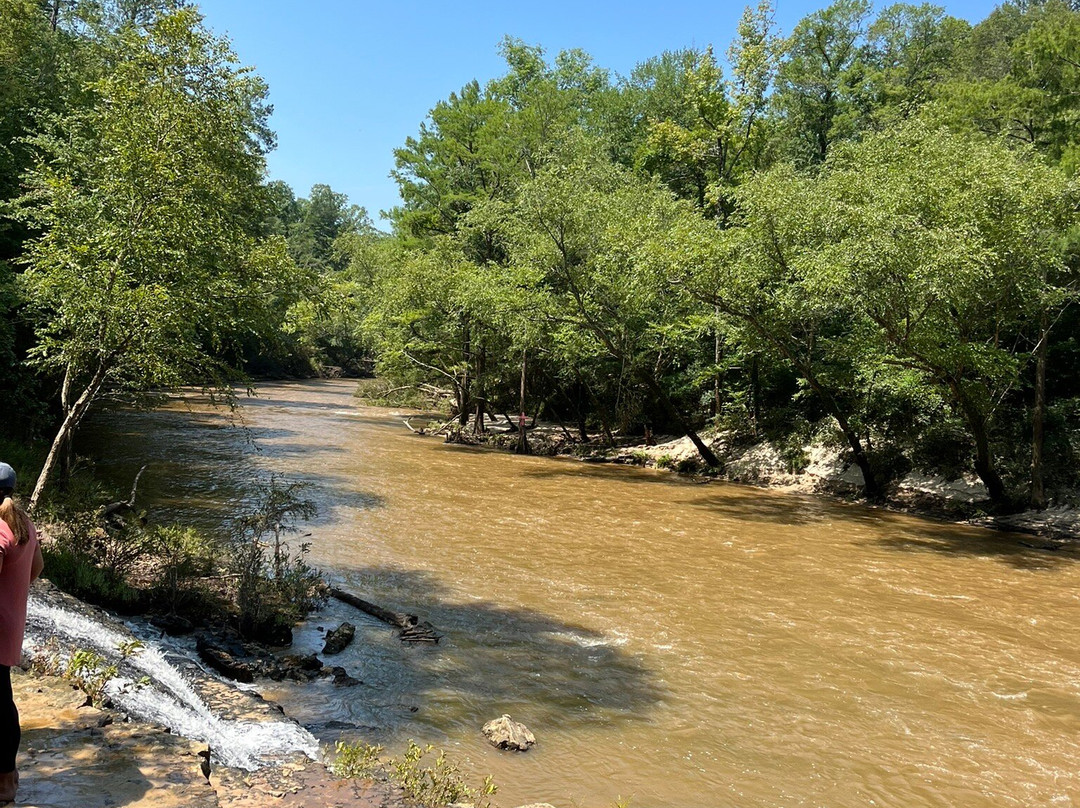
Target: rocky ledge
x,y
74,754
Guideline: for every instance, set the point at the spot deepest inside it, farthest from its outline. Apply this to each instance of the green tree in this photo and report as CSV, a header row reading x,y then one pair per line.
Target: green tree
x,y
819,77
463,156
322,218
756,275
147,199
947,248
587,233
717,130
910,51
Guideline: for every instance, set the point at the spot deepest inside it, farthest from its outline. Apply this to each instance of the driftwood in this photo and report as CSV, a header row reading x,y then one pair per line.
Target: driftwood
x,y
444,425
124,505
409,626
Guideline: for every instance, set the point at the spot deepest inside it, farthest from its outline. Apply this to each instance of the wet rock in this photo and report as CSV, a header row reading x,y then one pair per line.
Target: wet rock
x,y
309,663
172,624
295,667
342,678
338,639
506,733
270,631
224,660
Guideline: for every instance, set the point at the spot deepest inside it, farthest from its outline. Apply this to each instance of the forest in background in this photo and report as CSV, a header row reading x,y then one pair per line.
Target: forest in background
x,y
861,231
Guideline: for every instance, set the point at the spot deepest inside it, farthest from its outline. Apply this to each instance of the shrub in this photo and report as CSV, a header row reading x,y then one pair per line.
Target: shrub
x,y
275,586
183,556
665,461
356,760
688,465
434,786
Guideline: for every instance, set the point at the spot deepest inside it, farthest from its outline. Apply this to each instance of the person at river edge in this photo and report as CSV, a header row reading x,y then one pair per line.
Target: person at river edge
x,y
20,565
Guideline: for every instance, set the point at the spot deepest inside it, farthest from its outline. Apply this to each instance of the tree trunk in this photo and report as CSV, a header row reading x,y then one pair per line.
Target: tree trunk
x,y
718,354
870,485
523,441
984,456
1038,416
481,400
755,394
704,451
72,418
466,356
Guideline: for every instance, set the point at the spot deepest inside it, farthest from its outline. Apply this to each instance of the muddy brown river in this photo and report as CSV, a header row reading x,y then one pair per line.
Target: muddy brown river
x,y
677,644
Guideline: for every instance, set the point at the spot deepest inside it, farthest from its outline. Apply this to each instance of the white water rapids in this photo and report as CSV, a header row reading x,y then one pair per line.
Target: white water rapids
x,y
165,697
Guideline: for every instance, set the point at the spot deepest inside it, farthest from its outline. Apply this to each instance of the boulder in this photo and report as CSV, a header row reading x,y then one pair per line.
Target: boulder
x,y
172,624
338,639
342,678
224,662
506,733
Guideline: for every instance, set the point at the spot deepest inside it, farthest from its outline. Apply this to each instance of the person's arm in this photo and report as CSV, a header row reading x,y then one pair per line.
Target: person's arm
x,y
37,565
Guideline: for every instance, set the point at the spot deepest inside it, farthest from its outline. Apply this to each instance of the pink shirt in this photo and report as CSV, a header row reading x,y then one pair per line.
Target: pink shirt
x,y
14,588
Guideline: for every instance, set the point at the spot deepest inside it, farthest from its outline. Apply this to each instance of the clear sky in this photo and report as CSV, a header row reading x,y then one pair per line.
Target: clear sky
x,y
351,79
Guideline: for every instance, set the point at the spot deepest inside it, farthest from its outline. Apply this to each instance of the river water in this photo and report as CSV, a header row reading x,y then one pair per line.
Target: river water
x,y
678,644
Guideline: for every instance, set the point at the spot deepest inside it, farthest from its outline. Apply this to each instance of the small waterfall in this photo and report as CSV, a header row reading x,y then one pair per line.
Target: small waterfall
x,y
168,698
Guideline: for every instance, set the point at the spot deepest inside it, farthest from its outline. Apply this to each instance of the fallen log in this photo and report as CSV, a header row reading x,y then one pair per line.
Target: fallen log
x,y
409,626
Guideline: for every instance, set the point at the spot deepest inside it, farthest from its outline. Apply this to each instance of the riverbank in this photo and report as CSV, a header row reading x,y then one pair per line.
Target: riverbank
x,y
815,469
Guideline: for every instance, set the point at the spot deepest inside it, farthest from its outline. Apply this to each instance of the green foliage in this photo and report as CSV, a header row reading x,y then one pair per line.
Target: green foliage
x,y
146,196
818,79
275,586
356,760
183,555
440,783
433,786
92,673
73,572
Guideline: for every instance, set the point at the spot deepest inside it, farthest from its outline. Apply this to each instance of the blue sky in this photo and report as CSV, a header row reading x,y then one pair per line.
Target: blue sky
x,y
349,81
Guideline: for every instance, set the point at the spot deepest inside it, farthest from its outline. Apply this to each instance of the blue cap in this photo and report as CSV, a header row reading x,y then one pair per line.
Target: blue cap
x,y
7,476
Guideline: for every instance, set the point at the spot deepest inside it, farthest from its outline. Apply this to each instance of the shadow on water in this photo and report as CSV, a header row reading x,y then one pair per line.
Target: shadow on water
x,y
564,467
504,658
745,505
1018,551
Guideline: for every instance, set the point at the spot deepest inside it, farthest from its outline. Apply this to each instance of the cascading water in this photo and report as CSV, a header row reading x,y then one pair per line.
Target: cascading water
x,y
149,687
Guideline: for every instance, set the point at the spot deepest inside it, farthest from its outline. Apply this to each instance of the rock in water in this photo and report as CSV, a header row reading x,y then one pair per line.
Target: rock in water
x,y
338,639
508,734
